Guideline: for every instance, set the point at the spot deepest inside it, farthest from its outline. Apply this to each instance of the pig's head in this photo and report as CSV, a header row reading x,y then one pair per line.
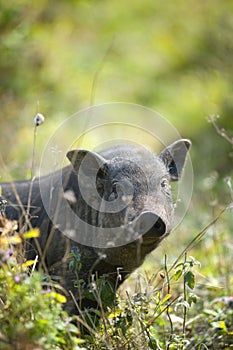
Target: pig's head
x,y
125,190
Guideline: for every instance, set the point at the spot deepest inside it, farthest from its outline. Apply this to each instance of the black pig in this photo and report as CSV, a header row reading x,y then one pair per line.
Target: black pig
x,y
99,216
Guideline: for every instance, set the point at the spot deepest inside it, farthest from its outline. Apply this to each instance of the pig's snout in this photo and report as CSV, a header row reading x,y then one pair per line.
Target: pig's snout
x,y
151,223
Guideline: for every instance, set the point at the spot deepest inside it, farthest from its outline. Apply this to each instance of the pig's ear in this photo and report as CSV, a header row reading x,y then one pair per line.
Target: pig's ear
x,y
174,157
90,162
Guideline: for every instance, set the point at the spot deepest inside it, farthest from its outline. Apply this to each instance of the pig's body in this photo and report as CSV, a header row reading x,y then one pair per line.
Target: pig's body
x,y
132,189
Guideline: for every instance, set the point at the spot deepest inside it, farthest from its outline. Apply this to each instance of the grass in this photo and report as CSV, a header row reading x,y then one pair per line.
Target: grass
x,y
188,305
31,314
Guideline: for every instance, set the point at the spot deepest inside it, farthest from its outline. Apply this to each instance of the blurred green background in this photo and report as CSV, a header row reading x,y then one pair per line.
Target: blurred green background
x,y
174,57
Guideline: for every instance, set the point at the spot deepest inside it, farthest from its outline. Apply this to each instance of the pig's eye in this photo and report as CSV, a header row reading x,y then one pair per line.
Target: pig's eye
x,y
165,185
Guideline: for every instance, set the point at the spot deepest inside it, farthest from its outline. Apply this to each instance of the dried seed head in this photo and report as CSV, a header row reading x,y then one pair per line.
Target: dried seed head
x,y
39,119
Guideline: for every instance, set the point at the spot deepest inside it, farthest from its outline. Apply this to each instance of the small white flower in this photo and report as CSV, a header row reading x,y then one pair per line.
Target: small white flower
x,y
39,119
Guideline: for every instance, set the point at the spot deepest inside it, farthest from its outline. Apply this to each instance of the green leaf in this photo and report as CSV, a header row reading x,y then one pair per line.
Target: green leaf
x,y
167,297
189,279
209,312
192,298
177,275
